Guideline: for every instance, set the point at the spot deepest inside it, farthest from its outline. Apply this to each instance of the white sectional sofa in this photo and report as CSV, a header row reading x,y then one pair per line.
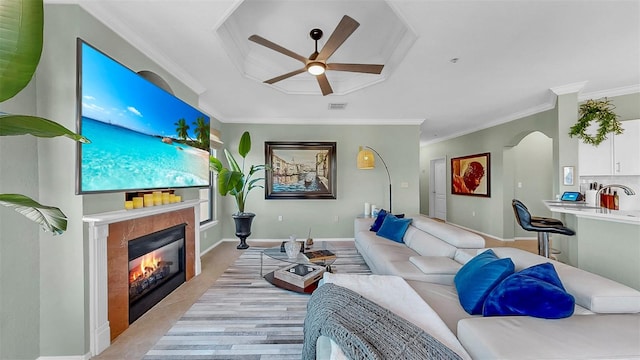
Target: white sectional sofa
x,y
431,251
605,323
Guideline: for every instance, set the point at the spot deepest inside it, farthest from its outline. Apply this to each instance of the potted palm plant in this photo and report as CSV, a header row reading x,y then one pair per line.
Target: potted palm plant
x,y
234,181
18,62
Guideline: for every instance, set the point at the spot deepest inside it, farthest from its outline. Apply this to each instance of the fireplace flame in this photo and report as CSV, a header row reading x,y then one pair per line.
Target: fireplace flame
x,y
148,265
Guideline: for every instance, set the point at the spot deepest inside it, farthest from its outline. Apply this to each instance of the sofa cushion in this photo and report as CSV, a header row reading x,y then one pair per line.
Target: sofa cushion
x,y
535,291
406,270
426,244
377,223
435,264
576,337
591,291
478,277
456,236
444,300
393,228
395,294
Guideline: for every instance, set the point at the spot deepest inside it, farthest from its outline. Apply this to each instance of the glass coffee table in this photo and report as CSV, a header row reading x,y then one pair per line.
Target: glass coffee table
x,y
277,253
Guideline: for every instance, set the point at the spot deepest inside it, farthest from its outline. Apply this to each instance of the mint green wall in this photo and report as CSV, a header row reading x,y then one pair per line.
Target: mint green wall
x,y
494,215
553,123
535,175
567,147
398,145
627,106
610,249
19,243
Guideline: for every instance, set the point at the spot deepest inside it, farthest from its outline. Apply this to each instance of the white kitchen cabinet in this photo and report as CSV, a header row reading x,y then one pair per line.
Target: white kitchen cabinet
x,y
626,149
596,160
618,155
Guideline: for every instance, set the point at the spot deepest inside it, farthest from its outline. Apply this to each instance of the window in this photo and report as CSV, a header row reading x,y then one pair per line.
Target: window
x,y
208,195
207,208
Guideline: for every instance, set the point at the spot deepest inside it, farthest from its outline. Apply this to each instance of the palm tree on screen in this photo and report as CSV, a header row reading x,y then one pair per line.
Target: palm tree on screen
x,y
202,131
182,129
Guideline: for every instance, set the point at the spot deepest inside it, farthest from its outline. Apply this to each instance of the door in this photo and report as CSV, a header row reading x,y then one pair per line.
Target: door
x,y
438,198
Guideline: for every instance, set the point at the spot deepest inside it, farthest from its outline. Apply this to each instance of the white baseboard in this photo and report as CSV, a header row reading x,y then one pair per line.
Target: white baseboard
x,y
211,247
86,356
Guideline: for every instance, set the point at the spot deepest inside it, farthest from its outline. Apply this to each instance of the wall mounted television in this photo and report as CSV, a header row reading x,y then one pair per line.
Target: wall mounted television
x,y
142,137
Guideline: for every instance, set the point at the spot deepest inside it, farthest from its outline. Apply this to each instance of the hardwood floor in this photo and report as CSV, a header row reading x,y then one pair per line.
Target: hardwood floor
x,y
147,330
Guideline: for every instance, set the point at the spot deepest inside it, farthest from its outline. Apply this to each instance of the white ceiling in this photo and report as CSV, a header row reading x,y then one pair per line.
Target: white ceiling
x,y
511,53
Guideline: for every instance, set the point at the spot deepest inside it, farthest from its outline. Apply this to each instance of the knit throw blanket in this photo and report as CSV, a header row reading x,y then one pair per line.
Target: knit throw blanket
x,y
364,329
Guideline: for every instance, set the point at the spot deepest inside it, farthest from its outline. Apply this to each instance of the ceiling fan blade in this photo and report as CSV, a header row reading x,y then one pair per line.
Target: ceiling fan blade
x,y
285,76
361,68
324,84
345,28
273,46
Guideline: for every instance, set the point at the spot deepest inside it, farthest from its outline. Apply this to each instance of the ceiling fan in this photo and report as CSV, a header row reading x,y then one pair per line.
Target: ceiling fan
x,y
316,64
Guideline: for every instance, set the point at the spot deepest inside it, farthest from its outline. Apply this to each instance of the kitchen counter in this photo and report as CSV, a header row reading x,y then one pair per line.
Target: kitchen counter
x,y
607,242
581,209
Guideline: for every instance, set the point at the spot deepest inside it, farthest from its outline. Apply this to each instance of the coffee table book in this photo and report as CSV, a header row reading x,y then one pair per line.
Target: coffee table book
x,y
319,255
300,275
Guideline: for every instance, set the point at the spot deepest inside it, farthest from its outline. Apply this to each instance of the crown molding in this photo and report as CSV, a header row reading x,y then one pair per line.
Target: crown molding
x,y
626,90
485,125
569,88
327,121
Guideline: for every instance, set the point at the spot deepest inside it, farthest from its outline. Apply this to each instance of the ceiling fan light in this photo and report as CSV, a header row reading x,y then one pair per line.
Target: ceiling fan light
x,y
316,68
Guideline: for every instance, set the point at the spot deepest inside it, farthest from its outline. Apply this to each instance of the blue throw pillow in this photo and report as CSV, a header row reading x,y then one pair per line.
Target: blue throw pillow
x,y
475,280
379,219
393,228
535,291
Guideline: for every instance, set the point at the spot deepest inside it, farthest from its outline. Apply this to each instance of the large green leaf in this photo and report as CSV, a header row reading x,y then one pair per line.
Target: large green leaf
x,y
36,126
245,144
215,164
233,164
49,218
21,24
228,181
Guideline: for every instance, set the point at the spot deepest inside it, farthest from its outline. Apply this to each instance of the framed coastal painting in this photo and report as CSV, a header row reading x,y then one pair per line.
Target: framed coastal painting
x,y
300,170
471,175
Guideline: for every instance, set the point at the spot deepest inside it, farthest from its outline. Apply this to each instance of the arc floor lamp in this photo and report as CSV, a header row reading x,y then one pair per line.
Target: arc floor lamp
x,y
366,161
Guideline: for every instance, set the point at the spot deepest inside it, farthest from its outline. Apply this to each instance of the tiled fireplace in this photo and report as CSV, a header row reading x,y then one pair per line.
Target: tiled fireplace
x,y
136,257
156,268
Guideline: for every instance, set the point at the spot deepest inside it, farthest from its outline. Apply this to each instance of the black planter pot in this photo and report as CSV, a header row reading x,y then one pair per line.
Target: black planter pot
x,y
243,228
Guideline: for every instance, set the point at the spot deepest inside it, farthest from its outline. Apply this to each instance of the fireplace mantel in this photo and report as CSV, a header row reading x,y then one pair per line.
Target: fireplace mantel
x,y
98,232
109,217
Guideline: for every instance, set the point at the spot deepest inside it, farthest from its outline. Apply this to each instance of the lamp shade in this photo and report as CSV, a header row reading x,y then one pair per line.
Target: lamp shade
x,y
365,159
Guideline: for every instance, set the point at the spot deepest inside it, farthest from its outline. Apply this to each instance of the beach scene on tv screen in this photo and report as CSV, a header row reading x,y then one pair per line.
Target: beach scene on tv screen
x,y
141,136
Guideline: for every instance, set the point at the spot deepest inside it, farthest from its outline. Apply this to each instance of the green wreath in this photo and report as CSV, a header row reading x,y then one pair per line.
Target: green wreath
x,y
602,112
